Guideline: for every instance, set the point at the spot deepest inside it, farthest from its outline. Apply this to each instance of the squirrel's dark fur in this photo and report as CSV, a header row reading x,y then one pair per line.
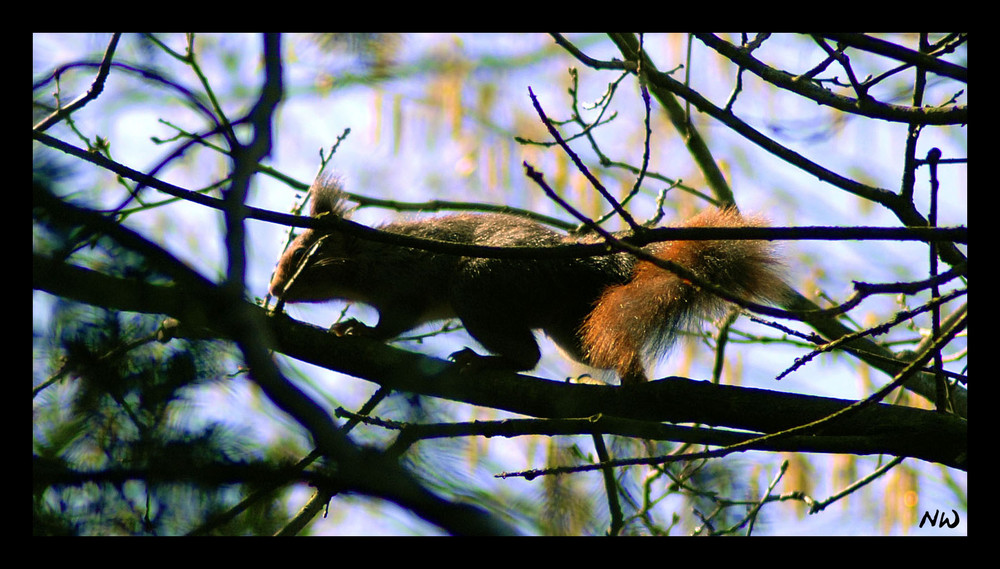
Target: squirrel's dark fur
x,y
607,311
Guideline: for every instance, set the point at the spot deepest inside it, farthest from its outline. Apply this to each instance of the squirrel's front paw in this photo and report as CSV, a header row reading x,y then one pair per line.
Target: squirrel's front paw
x,y
469,361
351,327
466,358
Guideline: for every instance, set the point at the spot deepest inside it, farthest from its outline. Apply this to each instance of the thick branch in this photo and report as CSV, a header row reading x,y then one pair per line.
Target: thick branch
x,y
903,431
911,432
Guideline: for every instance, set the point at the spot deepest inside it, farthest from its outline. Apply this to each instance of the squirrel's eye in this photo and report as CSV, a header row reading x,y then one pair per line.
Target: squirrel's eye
x,y
297,254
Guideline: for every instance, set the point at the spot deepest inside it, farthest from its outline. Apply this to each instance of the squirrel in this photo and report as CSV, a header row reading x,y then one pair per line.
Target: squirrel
x,y
609,311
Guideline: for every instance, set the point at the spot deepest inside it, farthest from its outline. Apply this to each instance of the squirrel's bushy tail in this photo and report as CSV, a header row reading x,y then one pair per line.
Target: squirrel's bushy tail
x,y
644,315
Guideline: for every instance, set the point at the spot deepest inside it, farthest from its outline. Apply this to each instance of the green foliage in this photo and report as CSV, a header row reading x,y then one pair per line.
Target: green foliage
x,y
116,451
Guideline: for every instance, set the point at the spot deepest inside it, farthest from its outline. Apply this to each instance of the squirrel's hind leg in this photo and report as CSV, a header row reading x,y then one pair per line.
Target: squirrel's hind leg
x,y
512,345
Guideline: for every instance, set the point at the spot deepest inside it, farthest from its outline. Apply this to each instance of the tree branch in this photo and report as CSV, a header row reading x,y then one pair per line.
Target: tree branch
x,y
956,114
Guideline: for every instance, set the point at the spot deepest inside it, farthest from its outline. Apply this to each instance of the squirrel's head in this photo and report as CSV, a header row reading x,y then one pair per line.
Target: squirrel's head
x,y
299,274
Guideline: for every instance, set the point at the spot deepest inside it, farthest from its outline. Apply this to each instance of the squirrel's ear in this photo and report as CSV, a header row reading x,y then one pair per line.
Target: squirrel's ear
x,y
327,196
